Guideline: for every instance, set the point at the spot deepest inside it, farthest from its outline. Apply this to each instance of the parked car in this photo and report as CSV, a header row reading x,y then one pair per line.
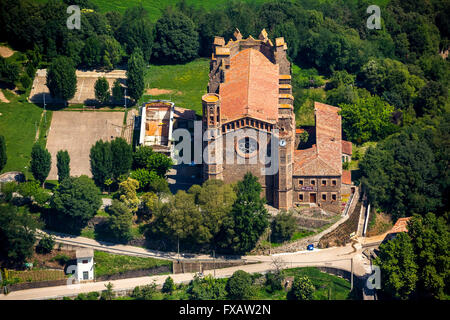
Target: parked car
x,y
310,247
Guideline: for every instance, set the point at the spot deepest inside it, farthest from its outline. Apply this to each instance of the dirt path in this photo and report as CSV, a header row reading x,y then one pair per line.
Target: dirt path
x,y
6,52
3,98
157,91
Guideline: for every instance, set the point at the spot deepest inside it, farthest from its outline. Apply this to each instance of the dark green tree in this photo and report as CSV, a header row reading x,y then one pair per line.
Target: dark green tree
x,y
120,221
302,289
398,267
248,219
41,161
430,237
91,54
240,286
63,165
102,90
159,163
136,32
168,286
9,71
141,156
76,200
284,226
17,234
135,75
3,155
61,78
101,162
46,244
122,157
176,38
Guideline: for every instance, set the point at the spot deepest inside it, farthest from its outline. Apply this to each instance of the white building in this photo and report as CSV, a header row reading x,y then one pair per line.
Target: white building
x,y
85,264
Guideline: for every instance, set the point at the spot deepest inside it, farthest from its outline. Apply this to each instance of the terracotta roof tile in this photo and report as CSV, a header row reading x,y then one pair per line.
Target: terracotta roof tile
x,y
324,158
250,87
401,225
346,147
346,177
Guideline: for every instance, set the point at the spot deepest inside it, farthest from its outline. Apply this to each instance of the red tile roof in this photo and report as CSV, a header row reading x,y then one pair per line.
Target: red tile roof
x,y
324,158
346,147
250,88
401,225
346,177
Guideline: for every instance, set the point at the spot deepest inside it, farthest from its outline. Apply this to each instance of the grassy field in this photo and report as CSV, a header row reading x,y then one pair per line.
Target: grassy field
x,y
36,275
18,122
187,83
108,264
328,287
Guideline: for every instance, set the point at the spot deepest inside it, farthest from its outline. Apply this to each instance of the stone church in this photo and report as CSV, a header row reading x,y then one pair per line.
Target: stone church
x,y
250,88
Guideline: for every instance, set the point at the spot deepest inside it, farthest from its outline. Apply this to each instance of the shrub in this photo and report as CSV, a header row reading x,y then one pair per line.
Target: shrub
x,y
302,289
168,286
45,245
239,286
273,282
283,227
8,189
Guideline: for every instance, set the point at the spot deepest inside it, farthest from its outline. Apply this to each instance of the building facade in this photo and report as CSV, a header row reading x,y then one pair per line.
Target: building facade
x,y
250,94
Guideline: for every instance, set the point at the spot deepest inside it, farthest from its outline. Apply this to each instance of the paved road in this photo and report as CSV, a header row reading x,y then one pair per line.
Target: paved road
x,y
339,257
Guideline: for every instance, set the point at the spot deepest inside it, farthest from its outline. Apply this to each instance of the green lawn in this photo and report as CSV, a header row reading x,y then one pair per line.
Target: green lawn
x,y
108,264
328,287
18,122
187,83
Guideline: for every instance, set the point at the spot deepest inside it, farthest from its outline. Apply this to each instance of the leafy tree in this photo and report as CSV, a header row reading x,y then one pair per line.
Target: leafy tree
x,y
369,119
179,219
302,289
46,244
136,32
32,189
284,226
160,163
41,161
120,220
206,288
398,267
273,282
145,292
91,54
248,219
3,155
8,189
117,91
122,157
63,164
215,199
112,52
101,162
176,38
340,78
168,286
135,75
400,175
149,202
431,99
9,71
430,237
141,156
240,286
102,90
26,81
17,234
150,181
76,200
127,194
61,78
